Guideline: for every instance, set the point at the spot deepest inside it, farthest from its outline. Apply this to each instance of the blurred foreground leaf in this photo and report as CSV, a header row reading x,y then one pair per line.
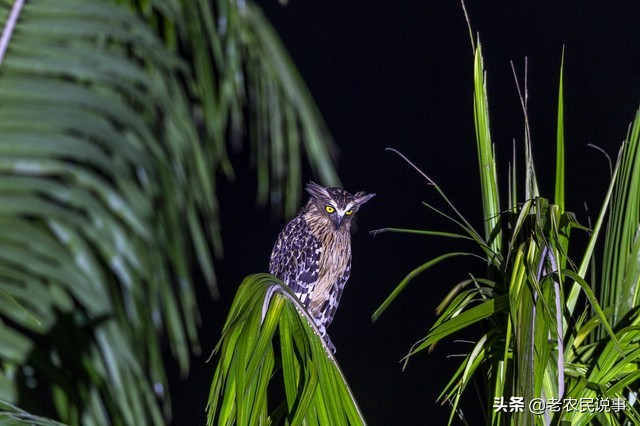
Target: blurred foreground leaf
x,y
115,120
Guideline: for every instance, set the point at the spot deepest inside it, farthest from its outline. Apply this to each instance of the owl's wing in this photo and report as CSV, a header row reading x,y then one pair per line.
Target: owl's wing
x,y
329,307
296,258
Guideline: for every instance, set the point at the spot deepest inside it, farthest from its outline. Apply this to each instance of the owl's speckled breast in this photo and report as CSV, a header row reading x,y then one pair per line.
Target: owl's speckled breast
x,y
335,260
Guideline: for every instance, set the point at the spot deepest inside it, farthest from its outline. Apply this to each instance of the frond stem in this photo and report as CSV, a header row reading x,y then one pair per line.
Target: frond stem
x,y
9,27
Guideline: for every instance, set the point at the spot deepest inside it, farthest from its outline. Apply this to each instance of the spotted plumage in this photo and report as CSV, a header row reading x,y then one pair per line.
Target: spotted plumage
x,y
313,252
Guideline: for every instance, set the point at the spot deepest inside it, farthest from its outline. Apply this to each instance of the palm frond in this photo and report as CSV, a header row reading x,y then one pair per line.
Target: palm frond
x,y
535,349
97,148
114,122
621,260
10,415
486,157
288,119
248,358
244,83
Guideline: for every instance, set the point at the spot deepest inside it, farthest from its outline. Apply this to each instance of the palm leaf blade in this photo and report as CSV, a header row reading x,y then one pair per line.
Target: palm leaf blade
x,y
314,386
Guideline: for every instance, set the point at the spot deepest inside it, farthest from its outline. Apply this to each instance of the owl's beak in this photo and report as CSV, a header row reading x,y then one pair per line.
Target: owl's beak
x,y
338,221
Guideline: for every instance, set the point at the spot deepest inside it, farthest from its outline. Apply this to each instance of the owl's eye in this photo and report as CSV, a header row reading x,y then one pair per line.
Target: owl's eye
x,y
329,209
348,212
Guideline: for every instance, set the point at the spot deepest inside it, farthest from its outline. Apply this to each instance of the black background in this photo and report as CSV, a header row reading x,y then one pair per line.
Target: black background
x,y
399,74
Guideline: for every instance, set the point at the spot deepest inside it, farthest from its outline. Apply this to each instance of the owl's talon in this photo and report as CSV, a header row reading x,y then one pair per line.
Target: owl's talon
x,y
329,344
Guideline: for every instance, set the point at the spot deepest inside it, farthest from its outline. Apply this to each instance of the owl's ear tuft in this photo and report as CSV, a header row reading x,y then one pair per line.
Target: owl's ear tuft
x,y
361,197
316,190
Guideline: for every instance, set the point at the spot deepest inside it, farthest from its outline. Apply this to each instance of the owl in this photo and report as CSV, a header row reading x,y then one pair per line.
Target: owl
x,y
312,254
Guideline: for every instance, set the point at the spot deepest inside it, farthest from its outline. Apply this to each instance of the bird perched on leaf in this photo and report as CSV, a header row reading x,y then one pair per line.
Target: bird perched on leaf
x,y
313,252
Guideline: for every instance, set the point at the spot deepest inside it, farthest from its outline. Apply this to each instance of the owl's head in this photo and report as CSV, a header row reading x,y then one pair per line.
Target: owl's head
x,y
336,204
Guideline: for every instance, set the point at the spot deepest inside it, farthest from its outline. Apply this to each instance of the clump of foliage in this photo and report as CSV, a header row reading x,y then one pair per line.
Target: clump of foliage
x,y
116,118
542,344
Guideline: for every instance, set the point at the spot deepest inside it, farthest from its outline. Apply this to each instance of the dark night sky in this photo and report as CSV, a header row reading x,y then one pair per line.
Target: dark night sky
x,y
399,74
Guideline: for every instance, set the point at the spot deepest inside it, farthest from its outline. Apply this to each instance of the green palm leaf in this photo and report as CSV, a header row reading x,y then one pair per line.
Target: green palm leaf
x,y
11,415
114,122
248,358
536,347
621,263
83,169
